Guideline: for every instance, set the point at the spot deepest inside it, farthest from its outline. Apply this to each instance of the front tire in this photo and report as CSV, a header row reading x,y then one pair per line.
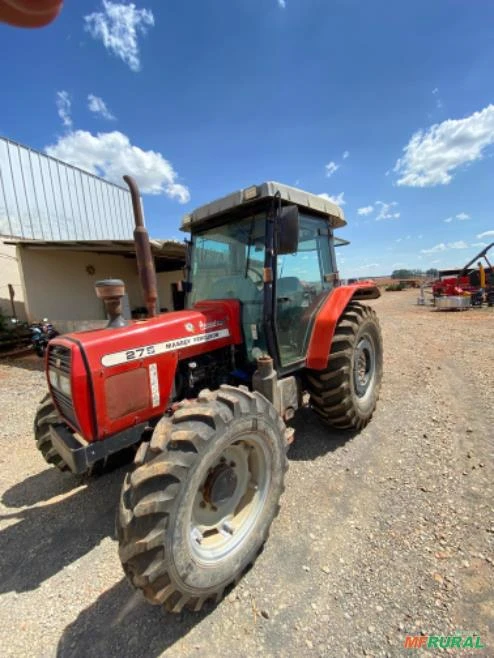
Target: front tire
x,y
345,393
197,509
46,416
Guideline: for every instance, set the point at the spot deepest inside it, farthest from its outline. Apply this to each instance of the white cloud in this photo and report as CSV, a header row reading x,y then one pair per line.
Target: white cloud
x,y
439,103
111,155
479,244
331,168
460,244
485,234
118,27
339,199
282,4
366,210
438,247
398,239
98,106
386,210
462,216
431,156
63,108
346,154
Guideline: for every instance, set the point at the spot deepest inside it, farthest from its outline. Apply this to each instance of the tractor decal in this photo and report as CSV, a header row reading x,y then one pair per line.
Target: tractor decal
x,y
148,351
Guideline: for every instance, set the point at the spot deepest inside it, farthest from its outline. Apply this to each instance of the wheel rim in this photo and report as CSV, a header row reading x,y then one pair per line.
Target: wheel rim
x,y
364,366
229,499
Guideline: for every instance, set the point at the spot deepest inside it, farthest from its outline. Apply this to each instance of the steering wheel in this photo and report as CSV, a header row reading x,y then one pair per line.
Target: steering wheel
x,y
260,281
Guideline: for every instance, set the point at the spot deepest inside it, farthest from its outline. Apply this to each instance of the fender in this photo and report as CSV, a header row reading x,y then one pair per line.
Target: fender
x,y
328,316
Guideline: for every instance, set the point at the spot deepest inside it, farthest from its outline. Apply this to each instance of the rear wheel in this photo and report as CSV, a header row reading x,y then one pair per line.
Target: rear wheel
x,y
197,509
345,394
46,416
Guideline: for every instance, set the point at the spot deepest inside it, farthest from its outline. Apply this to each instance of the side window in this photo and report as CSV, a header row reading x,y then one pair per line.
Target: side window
x,y
301,284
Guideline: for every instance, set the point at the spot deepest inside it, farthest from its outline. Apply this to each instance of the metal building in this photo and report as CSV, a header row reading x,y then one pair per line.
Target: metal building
x,y
61,229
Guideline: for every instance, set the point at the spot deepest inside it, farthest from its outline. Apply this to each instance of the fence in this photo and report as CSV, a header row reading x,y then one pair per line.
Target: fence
x,y
46,199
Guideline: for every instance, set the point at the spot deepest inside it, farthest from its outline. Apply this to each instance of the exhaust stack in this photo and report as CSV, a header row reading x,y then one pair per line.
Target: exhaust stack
x,y
145,261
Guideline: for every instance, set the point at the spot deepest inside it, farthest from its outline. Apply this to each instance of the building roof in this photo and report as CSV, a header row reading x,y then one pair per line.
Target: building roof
x,y
170,254
255,193
44,198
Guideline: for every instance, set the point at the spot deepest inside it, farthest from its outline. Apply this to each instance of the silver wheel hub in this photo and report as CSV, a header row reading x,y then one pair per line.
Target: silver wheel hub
x,y
364,366
230,499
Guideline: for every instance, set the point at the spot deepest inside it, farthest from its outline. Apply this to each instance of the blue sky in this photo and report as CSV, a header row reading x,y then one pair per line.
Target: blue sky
x,y
198,99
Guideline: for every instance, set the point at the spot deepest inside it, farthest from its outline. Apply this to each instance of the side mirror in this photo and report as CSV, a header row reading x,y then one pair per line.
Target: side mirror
x,y
288,229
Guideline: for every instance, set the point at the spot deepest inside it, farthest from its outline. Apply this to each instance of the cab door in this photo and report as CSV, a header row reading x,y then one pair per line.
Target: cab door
x,y
303,280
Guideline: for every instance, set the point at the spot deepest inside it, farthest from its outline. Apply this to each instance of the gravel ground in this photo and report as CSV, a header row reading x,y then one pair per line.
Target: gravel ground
x,y
381,534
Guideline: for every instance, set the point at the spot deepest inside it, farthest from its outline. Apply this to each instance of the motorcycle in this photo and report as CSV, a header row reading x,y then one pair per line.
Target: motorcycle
x,y
41,333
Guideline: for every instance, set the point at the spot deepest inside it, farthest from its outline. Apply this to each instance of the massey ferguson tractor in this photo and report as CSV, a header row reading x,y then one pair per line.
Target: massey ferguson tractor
x,y
207,394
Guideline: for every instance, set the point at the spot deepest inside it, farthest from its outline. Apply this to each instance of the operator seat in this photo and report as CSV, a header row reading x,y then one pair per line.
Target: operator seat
x,y
236,286
240,287
290,292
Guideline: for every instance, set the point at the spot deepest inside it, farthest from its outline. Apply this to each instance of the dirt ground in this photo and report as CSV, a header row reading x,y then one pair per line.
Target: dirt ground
x,y
382,534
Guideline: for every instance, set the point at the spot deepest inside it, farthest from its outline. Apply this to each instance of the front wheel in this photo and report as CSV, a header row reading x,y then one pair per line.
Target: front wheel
x,y
197,509
46,416
345,394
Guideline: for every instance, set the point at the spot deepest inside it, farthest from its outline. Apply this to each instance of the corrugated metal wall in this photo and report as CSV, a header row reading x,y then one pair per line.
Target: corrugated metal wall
x,y
46,199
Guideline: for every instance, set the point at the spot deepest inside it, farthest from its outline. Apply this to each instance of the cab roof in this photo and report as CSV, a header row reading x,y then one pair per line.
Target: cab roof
x,y
251,196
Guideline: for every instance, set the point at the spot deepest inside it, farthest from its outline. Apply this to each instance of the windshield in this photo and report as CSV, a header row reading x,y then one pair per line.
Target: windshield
x,y
228,261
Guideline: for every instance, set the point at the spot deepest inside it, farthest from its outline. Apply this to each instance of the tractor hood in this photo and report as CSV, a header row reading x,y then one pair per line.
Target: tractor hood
x,y
105,380
184,332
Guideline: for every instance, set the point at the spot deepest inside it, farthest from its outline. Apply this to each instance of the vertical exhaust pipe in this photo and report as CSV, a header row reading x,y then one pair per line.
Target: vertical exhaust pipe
x,y
145,260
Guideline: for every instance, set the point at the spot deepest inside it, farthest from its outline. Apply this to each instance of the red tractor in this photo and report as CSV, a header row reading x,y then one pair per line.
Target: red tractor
x,y
206,393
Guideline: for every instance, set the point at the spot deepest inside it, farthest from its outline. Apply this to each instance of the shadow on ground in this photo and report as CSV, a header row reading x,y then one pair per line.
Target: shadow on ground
x,y
121,623
48,537
314,439
29,362
40,487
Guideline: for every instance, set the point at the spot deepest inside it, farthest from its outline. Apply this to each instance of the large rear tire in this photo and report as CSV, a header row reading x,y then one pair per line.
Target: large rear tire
x,y
46,416
345,393
196,511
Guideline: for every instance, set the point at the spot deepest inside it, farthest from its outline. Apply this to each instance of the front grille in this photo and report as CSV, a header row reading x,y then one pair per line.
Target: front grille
x,y
60,358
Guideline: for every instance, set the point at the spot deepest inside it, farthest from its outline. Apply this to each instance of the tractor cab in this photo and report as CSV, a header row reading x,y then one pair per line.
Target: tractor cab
x,y
271,248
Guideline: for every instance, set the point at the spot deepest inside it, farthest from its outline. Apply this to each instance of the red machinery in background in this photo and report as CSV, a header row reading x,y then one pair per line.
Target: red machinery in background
x,y
469,286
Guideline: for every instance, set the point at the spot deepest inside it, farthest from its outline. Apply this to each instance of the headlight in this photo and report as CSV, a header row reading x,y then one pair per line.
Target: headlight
x,y
60,382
